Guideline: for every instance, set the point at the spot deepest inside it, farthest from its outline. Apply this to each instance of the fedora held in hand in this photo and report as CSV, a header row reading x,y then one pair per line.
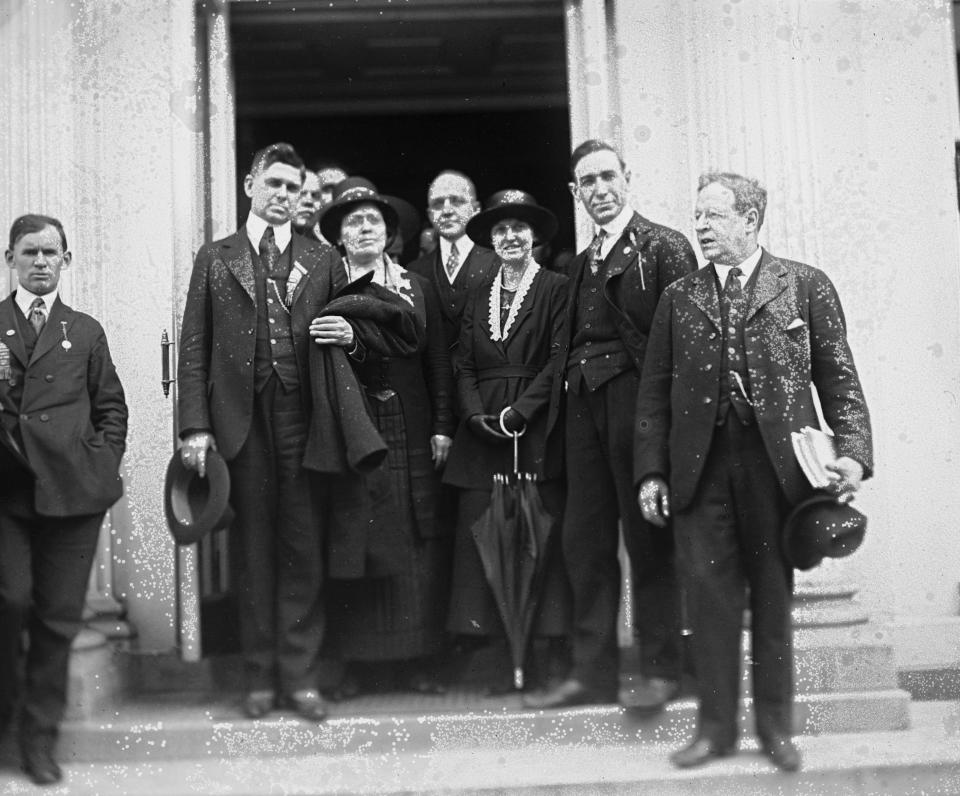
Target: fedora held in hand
x,y
195,506
821,527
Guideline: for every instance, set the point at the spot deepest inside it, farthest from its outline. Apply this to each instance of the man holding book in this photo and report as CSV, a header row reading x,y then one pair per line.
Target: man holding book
x,y
733,351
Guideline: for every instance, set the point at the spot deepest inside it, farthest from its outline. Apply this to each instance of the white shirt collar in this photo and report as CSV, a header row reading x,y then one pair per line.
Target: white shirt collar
x,y
256,226
747,266
614,230
464,247
24,299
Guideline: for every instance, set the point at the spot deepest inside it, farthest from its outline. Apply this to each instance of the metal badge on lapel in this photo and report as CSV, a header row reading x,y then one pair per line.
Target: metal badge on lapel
x,y
5,371
65,344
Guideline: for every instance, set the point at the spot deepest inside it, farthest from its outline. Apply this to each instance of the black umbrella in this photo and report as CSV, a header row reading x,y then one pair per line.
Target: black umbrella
x,y
511,538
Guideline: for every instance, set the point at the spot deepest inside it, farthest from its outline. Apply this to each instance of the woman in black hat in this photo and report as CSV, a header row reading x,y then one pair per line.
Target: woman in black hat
x,y
504,386
395,611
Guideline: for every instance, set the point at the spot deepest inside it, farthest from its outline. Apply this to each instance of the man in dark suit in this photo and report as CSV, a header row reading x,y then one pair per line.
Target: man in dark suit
x,y
457,266
244,390
733,351
613,291
63,430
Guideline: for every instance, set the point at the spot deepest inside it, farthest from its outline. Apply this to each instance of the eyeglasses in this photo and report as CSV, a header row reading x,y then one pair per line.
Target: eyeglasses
x,y
440,202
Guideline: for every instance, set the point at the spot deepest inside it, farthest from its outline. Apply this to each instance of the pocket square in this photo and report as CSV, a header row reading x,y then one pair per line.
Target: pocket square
x,y
796,323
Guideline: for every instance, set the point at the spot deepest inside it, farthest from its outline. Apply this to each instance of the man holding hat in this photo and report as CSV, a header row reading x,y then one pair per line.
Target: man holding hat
x,y
243,395
63,429
732,354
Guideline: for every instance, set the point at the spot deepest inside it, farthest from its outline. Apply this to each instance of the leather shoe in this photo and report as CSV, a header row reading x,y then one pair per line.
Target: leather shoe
x,y
781,751
308,704
649,696
36,752
257,704
701,751
569,693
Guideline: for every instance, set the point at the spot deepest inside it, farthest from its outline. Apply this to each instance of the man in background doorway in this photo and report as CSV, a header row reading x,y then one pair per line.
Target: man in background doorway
x,y
456,266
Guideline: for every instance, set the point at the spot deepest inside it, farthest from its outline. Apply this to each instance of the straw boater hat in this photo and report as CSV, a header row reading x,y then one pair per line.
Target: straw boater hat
x,y
821,527
512,203
347,195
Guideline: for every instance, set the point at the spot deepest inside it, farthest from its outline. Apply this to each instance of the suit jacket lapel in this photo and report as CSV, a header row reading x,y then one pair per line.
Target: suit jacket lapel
x,y
769,284
628,246
306,254
237,257
703,293
52,332
8,324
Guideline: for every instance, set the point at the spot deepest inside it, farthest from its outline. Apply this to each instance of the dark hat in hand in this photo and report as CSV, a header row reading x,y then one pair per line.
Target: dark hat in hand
x,y
821,527
347,195
196,506
512,203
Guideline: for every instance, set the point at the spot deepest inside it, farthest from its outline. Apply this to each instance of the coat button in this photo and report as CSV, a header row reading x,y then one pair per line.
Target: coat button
x,y
708,400
24,417
48,377
44,418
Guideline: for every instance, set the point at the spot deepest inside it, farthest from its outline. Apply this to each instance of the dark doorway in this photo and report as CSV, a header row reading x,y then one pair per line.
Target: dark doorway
x,y
396,92
525,149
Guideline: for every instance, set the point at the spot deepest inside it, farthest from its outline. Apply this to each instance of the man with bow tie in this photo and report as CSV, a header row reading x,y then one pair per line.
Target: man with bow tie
x,y
244,392
63,429
614,287
732,355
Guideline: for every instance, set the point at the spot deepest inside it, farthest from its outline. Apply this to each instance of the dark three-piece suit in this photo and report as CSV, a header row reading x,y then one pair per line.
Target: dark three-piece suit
x,y
243,376
602,350
721,439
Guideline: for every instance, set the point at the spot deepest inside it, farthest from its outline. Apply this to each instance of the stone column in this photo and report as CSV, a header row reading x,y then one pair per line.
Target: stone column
x,y
847,111
99,125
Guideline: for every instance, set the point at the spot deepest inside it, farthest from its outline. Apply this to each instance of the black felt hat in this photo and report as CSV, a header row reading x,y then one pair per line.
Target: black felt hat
x,y
196,506
347,195
821,527
512,203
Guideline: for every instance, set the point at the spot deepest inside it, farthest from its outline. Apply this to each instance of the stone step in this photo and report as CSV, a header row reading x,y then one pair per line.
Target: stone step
x,y
197,725
923,760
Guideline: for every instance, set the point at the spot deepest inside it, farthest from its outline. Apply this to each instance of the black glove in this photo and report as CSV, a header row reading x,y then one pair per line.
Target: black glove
x,y
512,420
485,427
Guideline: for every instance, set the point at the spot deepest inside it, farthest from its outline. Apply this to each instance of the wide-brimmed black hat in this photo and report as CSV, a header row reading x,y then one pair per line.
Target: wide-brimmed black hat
x,y
196,506
821,527
512,203
348,194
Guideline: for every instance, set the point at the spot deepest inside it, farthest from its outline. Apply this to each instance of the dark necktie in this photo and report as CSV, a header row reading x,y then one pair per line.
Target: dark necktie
x,y
733,308
595,246
453,261
37,316
270,258
269,251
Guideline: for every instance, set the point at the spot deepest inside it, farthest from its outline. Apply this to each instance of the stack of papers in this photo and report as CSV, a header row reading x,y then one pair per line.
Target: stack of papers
x,y
814,450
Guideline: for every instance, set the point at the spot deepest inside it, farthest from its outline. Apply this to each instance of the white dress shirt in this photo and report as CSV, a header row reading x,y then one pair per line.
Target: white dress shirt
x,y
464,247
747,267
614,230
256,226
24,299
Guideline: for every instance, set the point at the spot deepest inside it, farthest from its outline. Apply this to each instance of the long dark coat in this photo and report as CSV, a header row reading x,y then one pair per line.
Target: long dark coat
x,y
516,372
795,335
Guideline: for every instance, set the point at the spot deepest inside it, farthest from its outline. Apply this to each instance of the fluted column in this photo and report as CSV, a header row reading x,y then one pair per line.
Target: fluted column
x,y
847,112
100,126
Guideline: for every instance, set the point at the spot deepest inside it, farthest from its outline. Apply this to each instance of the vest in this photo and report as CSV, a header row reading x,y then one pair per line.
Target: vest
x,y
597,352
274,351
734,347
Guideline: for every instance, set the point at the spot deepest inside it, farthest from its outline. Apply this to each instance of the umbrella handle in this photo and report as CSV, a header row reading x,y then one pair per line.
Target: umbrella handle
x,y
516,440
